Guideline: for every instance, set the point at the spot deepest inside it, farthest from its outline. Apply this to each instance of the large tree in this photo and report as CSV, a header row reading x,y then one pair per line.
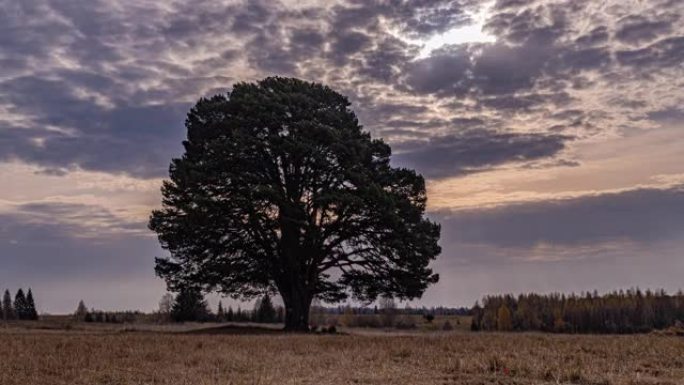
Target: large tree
x,y
281,190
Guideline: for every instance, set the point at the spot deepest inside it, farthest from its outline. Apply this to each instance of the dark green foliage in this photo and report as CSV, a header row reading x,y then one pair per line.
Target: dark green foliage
x,y
31,312
230,316
265,312
190,306
7,307
280,189
632,311
20,305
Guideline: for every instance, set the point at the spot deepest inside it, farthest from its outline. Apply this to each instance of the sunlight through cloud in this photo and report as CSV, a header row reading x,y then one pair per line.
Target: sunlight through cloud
x,y
472,33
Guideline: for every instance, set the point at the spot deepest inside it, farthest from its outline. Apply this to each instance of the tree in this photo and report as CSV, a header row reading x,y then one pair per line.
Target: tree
x,y
617,312
503,318
220,313
20,306
388,309
7,308
280,189
190,306
165,305
266,312
81,311
230,316
280,314
31,312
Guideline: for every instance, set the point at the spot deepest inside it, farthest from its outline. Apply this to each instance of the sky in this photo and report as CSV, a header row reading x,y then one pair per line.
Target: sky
x,y
550,132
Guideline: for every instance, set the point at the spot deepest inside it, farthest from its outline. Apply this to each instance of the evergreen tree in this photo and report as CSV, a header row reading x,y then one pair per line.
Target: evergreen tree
x,y
81,311
190,306
230,316
7,308
220,313
266,311
254,315
31,312
20,307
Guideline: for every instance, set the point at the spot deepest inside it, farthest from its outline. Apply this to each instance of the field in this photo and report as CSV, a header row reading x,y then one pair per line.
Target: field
x,y
116,355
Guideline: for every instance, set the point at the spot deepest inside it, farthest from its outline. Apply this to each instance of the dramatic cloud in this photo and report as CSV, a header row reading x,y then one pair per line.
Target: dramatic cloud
x,y
549,111
470,151
643,216
114,79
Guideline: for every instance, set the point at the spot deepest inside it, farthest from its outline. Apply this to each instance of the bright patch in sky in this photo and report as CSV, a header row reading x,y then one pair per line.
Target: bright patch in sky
x,y
473,33
468,34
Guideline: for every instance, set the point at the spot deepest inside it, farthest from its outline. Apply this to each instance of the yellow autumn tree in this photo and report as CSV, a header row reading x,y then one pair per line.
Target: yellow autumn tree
x,y
503,318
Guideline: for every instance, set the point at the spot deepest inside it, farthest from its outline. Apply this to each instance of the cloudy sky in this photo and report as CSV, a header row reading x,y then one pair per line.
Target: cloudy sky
x,y
551,132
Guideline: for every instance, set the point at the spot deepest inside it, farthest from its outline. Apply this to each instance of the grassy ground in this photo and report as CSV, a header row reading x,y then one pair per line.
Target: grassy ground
x,y
226,356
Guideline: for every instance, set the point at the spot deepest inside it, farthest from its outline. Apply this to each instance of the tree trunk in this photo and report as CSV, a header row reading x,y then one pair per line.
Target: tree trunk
x,y
297,305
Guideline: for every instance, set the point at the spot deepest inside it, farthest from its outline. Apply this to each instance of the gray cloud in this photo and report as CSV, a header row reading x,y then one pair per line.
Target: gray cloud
x,y
414,17
444,73
636,29
473,150
138,140
664,53
54,249
124,92
641,216
602,242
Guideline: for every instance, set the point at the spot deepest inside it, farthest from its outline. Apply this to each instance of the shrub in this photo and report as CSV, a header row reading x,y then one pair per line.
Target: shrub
x,y
405,323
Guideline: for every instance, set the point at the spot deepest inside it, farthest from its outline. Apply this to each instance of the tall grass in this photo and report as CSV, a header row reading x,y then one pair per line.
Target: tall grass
x,y
33,357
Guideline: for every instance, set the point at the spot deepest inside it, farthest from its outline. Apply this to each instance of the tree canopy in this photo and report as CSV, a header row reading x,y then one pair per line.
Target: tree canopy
x,y
281,190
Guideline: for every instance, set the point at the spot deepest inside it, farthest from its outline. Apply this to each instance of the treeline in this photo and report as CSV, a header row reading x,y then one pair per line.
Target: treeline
x,y
263,312
190,305
22,308
84,315
408,310
631,311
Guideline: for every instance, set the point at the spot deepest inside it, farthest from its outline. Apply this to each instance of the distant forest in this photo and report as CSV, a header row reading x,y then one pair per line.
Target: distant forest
x,y
631,311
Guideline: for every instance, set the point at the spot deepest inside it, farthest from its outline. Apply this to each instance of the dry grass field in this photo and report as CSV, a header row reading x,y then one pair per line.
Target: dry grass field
x,y
122,356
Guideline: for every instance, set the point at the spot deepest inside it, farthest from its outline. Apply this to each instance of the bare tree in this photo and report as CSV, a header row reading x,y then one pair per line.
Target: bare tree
x,y
388,311
165,305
